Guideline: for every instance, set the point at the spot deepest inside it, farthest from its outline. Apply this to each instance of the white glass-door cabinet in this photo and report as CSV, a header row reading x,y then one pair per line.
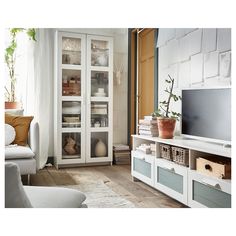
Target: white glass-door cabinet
x,y
99,102
83,99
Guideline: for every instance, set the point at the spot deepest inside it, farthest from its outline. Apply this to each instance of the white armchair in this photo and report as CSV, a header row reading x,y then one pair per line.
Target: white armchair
x,y
26,157
19,196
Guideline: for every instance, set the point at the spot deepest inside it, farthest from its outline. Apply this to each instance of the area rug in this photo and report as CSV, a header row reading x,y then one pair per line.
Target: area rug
x,y
99,195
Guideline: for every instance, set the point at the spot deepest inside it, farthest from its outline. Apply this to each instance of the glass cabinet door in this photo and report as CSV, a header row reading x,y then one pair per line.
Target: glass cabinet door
x,y
99,90
99,53
71,82
99,83
71,114
99,145
72,95
99,114
71,51
71,145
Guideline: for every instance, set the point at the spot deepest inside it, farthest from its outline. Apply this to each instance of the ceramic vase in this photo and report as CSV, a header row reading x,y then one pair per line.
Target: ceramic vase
x,y
100,149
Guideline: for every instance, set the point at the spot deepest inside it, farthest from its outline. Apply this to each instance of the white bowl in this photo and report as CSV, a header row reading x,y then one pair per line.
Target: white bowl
x,y
100,90
99,94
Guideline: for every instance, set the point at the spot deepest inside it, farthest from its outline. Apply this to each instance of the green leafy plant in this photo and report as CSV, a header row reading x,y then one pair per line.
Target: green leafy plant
x,y
164,106
10,59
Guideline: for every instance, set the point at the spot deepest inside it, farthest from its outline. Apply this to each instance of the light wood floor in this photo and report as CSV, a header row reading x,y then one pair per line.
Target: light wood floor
x,y
117,177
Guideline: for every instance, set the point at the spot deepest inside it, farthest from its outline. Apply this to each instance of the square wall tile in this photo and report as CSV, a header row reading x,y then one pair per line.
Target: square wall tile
x,y
211,64
184,48
195,42
197,68
209,40
224,39
184,74
225,64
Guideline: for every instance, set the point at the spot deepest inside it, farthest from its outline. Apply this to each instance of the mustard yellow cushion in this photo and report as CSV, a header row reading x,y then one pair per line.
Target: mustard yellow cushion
x,y
21,125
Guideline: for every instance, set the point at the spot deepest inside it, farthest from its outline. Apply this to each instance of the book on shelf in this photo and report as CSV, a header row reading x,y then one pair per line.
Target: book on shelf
x,y
120,147
122,155
147,122
148,127
148,132
149,118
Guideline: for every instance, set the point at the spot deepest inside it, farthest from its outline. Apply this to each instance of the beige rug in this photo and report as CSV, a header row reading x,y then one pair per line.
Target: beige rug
x,y
99,195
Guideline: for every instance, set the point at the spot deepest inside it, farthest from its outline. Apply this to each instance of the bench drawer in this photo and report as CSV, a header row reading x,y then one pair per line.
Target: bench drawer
x,y
142,167
208,192
171,179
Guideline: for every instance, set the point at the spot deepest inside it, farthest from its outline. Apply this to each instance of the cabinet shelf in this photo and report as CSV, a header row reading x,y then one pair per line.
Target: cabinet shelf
x,y
71,67
71,156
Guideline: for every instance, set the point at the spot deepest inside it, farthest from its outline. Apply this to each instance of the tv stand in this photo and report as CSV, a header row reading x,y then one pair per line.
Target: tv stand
x,y
182,183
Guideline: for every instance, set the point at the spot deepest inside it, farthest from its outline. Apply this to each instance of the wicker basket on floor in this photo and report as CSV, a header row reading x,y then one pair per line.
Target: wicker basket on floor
x,y
180,156
166,152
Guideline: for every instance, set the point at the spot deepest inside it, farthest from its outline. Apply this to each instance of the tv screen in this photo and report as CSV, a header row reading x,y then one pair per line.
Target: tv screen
x,y
207,113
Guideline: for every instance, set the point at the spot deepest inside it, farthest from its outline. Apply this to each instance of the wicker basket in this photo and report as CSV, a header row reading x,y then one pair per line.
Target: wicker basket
x,y
180,156
166,152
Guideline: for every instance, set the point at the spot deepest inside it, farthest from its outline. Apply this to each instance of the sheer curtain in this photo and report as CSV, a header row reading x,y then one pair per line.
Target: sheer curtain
x,y
38,87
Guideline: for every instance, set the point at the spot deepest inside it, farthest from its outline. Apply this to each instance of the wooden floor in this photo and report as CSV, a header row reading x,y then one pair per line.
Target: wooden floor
x,y
117,177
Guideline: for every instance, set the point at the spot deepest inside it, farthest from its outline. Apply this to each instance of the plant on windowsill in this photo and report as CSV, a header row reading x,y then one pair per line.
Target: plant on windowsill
x,y
166,119
10,60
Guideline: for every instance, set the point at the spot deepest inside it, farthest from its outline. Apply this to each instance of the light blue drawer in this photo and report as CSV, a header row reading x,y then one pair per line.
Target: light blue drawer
x,y
210,197
170,179
142,167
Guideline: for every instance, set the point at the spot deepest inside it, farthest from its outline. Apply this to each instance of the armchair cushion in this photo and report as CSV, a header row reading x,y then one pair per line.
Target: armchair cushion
x,y
21,125
54,197
18,152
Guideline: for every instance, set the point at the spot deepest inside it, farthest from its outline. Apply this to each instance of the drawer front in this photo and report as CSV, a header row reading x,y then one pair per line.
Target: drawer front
x,y
142,167
209,196
171,179
207,191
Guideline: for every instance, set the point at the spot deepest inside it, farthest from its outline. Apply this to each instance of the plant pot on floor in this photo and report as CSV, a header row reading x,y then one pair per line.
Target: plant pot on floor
x,y
12,105
166,127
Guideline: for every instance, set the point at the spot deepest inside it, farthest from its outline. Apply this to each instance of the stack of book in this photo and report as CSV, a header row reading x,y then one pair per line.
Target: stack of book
x,y
148,126
121,154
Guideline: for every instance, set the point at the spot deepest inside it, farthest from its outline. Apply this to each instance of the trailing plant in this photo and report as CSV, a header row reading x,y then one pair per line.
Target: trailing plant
x,y
10,59
164,106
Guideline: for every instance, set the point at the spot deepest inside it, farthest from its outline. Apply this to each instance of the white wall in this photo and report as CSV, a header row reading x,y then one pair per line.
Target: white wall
x,y
194,58
120,90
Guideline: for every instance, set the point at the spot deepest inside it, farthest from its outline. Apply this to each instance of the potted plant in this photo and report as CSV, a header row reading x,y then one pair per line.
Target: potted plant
x,y
10,60
166,119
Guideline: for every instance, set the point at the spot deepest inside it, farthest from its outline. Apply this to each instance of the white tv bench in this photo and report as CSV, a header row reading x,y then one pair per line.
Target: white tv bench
x,y
182,183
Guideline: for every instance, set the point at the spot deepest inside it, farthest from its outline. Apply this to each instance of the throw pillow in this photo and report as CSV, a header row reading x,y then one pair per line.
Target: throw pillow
x,y
21,125
10,134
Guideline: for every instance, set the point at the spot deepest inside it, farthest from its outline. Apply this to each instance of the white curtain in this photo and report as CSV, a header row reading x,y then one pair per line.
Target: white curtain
x,y
38,87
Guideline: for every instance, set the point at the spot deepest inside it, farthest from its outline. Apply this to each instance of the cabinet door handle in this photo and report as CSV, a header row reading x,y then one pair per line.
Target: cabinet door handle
x,y
172,169
211,183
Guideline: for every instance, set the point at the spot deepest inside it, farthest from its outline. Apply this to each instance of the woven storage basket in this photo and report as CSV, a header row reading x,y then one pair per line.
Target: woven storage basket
x,y
180,156
166,152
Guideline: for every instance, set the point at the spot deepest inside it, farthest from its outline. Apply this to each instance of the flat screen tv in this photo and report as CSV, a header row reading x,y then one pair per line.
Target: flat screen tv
x,y
206,114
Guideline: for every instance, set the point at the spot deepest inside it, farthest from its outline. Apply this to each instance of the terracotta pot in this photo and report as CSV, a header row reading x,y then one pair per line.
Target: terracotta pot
x,y
166,127
12,105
